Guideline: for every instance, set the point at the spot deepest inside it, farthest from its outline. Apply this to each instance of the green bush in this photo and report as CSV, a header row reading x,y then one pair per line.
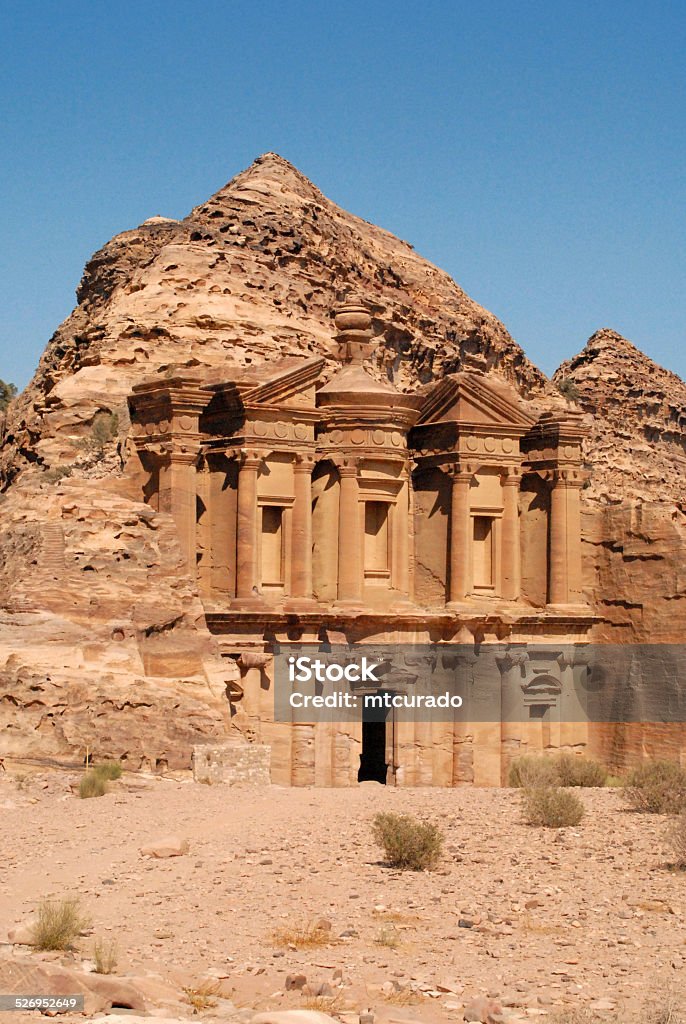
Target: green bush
x,y
92,784
532,770
58,924
552,807
576,770
109,770
408,843
656,787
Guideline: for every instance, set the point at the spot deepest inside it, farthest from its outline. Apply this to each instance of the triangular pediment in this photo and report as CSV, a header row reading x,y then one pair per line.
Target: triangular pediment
x,y
471,398
290,384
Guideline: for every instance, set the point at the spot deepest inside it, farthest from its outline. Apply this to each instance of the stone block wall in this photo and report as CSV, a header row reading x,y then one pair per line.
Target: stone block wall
x,y
232,764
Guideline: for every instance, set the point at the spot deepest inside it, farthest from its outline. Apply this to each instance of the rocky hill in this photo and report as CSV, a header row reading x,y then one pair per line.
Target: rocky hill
x,y
637,442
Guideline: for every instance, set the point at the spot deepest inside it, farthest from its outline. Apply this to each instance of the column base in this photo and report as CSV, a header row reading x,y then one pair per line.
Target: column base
x,y
300,604
349,604
578,608
249,604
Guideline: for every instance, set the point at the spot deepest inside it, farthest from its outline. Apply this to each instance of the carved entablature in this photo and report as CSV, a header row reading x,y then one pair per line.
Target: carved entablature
x,y
555,442
165,415
470,416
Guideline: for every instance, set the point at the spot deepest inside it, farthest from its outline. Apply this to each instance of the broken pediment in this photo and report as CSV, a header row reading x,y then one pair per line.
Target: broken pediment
x,y
475,400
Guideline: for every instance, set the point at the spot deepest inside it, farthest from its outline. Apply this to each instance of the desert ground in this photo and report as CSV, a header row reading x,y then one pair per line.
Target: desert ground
x,y
542,921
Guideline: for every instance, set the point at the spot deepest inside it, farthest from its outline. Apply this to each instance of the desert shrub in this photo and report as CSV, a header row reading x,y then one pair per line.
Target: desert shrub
x,y
92,784
552,807
676,836
58,924
656,787
575,770
408,843
532,770
109,770
104,430
105,956
568,389
57,473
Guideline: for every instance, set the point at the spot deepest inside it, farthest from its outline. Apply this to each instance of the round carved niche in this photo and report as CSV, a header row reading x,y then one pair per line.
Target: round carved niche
x,y
490,444
281,429
472,443
300,431
508,445
186,422
378,437
260,428
336,436
569,451
396,438
358,436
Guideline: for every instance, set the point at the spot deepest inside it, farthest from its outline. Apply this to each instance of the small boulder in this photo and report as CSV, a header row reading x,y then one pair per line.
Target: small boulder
x,y
484,1010
167,846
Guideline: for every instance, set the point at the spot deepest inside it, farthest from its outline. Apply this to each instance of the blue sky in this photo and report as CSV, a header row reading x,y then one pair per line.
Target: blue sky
x,y
535,151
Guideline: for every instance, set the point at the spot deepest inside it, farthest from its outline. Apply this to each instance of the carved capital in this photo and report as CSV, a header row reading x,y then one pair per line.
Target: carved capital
x,y
566,477
347,465
511,476
303,462
460,472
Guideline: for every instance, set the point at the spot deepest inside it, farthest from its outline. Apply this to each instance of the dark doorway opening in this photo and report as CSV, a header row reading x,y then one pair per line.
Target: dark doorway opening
x,y
373,765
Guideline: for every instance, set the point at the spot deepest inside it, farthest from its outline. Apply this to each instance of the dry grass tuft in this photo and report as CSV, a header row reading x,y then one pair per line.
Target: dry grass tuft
x,y
304,936
58,924
389,938
205,996
105,955
409,844
552,807
324,1004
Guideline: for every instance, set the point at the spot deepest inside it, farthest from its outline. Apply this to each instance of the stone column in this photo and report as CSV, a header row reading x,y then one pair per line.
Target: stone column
x,y
301,549
349,536
565,538
178,497
460,534
247,582
401,540
511,548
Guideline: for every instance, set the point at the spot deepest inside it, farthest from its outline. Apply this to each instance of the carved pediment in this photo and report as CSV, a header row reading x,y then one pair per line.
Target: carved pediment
x,y
474,400
290,384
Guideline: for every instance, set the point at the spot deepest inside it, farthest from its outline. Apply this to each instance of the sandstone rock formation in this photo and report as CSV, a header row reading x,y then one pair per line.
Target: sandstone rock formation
x,y
103,638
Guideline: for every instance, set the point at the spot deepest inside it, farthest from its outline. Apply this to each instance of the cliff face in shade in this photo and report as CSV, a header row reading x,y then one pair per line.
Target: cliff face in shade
x,y
103,641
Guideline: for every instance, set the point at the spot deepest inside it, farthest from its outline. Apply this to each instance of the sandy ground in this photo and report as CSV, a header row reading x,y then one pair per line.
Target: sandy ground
x,y
546,920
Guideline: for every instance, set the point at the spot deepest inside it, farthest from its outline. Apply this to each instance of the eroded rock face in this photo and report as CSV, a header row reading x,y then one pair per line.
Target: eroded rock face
x,y
637,441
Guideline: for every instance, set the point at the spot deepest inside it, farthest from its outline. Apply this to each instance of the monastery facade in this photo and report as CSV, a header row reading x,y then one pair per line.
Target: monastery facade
x,y
318,508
